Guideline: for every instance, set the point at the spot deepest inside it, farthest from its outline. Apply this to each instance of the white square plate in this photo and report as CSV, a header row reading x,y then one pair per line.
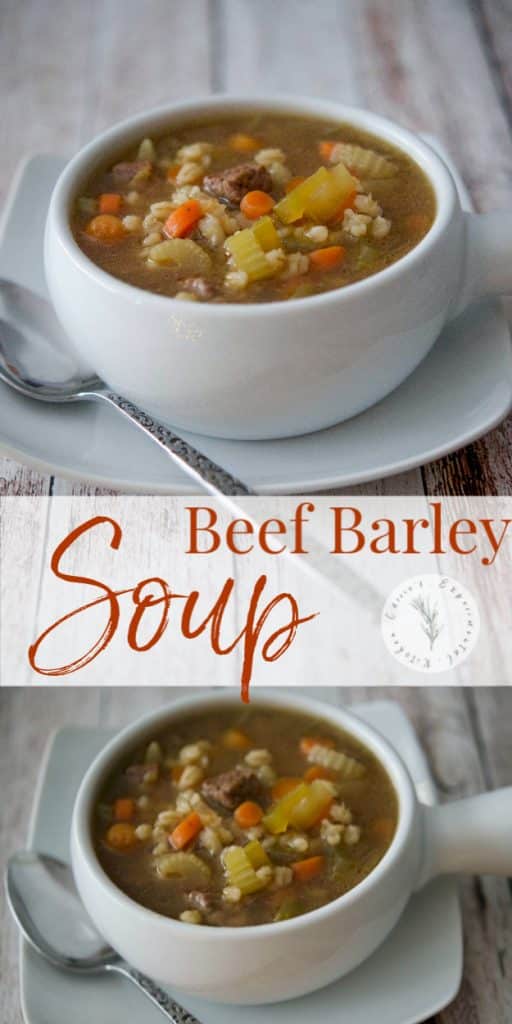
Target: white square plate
x,y
460,392
412,976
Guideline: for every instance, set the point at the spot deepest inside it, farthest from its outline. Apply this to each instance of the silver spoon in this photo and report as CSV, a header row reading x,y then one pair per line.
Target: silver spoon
x,y
35,360
47,908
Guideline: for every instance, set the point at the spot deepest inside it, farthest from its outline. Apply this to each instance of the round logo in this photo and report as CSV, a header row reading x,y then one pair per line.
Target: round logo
x,y
430,623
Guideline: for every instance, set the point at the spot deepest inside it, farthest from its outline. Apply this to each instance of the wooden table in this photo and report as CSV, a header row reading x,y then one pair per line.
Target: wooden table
x,y
466,734
69,68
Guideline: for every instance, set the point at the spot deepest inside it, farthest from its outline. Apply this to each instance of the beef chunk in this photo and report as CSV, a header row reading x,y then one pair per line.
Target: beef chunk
x,y
203,901
233,183
231,788
132,172
199,286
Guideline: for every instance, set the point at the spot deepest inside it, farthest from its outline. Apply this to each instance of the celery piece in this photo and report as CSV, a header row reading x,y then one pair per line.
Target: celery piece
x,y
295,204
280,815
288,909
240,871
248,255
88,205
182,254
187,866
146,150
331,194
319,196
266,234
315,803
256,854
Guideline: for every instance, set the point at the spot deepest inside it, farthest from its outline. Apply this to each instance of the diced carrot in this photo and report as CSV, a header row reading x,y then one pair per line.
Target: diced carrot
x,y
106,227
172,171
124,809
317,772
248,814
121,836
235,739
417,223
183,219
347,205
308,742
304,870
186,831
328,258
325,148
243,143
292,183
110,202
255,204
284,786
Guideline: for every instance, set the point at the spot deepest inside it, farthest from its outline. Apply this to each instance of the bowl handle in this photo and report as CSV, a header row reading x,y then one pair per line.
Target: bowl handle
x,y
488,257
472,836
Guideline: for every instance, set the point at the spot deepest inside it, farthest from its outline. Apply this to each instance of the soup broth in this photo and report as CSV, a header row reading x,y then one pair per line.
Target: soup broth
x,y
243,817
253,209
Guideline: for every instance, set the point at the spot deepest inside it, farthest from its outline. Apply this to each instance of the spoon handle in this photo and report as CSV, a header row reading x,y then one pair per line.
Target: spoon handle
x,y
202,470
173,1011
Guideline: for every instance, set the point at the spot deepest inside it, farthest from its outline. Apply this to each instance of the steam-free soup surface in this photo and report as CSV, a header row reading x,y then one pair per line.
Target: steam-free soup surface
x,y
243,817
253,209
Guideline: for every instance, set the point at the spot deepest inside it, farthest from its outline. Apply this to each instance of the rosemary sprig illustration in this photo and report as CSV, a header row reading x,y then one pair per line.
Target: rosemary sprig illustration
x,y
429,614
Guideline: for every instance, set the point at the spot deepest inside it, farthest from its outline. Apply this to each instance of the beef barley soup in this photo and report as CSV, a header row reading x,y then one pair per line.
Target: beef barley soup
x,y
242,817
253,209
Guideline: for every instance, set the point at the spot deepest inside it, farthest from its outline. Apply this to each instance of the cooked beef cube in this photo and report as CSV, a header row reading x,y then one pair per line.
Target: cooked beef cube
x,y
231,788
203,901
234,183
132,172
199,286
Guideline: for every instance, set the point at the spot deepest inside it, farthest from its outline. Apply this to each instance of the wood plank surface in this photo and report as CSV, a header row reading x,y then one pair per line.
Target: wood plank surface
x,y
464,733
74,68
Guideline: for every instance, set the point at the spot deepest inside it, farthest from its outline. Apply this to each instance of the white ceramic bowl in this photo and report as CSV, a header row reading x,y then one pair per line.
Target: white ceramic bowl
x,y
270,369
269,963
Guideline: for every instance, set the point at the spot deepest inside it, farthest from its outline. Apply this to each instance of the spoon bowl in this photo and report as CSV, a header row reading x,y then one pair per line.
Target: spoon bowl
x,y
45,904
36,360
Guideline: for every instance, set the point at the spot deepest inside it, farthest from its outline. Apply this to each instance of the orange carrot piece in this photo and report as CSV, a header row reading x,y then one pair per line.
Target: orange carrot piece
x,y
316,772
183,219
106,227
235,739
172,172
124,809
308,742
328,258
248,814
186,831
347,205
109,202
292,183
304,870
243,143
325,148
121,836
256,204
284,786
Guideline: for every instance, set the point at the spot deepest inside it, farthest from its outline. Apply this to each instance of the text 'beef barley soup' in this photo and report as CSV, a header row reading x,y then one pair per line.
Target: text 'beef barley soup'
x,y
243,817
253,209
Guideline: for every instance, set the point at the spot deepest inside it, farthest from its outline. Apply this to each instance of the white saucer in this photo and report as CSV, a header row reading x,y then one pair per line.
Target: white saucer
x,y
461,391
410,978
